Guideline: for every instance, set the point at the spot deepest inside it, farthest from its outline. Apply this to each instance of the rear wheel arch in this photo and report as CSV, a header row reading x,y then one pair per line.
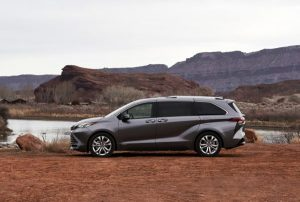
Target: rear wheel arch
x,y
209,131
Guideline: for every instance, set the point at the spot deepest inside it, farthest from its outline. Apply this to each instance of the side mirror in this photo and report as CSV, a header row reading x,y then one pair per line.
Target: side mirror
x,y
125,117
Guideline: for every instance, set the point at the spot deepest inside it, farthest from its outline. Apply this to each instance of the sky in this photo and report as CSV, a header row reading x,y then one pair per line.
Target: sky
x,y
42,36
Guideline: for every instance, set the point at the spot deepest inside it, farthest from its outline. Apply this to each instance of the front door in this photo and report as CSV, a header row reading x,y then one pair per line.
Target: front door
x,y
138,133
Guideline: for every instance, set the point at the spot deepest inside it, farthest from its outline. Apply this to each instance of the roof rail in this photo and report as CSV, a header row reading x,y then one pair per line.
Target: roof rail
x,y
183,96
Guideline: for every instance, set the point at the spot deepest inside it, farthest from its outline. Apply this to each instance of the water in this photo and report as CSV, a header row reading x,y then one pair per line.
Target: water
x,y
278,136
45,130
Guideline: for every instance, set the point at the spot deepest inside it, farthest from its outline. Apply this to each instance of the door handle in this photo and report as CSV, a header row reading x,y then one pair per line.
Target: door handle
x,y
150,121
162,120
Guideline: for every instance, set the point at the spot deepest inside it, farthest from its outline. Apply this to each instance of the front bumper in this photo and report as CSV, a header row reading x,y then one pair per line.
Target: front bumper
x,y
79,140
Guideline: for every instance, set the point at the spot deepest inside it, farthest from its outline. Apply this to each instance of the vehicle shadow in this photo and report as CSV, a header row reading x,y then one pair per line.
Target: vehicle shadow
x,y
159,154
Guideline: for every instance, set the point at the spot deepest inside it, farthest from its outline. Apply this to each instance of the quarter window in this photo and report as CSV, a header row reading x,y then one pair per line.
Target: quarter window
x,y
204,108
141,111
169,109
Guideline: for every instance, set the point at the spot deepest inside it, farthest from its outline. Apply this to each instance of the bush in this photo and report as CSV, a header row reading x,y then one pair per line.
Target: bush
x,y
116,96
4,131
295,98
4,113
6,93
64,93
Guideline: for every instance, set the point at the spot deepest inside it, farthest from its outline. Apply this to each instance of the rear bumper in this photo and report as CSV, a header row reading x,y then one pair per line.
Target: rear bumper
x,y
237,140
239,143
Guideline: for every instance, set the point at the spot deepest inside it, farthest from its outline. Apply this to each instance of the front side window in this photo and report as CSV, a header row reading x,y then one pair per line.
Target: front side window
x,y
140,111
204,108
169,109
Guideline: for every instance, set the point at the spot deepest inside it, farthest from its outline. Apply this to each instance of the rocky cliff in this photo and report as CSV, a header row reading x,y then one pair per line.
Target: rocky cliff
x,y
90,82
226,71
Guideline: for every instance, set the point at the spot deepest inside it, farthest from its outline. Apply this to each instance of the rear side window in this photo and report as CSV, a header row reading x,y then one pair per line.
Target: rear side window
x,y
204,108
169,109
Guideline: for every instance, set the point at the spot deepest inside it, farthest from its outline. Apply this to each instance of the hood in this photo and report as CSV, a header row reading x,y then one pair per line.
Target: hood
x,y
93,120
96,119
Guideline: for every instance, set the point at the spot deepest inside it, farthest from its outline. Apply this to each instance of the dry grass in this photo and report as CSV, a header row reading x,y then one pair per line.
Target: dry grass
x,y
56,112
57,145
272,113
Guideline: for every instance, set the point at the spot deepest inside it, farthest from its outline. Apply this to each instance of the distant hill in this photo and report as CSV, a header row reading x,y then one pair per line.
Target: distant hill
x,y
149,69
225,71
221,71
256,93
89,83
20,81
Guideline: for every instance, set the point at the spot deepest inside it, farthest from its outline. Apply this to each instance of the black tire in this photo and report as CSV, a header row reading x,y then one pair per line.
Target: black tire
x,y
213,144
102,145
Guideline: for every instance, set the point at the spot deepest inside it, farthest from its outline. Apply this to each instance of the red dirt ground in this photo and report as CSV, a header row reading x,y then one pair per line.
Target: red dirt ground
x,y
251,173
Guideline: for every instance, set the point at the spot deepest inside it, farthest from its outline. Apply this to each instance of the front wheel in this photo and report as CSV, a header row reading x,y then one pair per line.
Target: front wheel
x,y
102,145
208,144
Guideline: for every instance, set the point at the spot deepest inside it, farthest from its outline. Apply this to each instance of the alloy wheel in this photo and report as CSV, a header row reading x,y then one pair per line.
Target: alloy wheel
x,y
209,144
101,145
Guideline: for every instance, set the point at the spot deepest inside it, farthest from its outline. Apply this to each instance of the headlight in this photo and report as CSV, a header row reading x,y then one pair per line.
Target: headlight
x,y
85,125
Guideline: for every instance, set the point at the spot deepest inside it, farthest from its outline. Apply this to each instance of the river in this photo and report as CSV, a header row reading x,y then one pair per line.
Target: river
x,y
44,129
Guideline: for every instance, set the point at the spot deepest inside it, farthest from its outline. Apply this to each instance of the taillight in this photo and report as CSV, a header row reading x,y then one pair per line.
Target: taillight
x,y
239,120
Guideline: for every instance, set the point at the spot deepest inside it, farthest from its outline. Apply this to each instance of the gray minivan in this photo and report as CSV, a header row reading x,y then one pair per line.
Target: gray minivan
x,y
200,123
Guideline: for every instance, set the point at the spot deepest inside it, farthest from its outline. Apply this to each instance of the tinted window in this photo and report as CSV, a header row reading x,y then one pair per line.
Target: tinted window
x,y
167,109
203,108
141,111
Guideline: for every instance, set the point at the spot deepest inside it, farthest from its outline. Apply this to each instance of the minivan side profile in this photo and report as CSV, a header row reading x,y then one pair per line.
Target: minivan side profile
x,y
200,123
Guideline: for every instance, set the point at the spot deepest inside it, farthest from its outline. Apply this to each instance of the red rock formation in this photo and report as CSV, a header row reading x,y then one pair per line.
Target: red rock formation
x,y
250,135
29,142
90,82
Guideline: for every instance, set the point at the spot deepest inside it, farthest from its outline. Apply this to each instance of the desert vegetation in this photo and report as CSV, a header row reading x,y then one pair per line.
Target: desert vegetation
x,y
115,96
26,92
3,122
271,113
278,112
57,145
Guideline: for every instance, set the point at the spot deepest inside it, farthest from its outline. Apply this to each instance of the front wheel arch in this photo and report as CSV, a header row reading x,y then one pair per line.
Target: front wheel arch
x,y
97,133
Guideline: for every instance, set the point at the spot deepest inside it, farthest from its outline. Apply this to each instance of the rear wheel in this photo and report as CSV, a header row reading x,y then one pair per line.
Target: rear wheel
x,y
208,144
102,145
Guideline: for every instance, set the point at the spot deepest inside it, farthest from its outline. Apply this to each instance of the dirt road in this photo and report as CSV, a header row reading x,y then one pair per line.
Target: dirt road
x,y
253,172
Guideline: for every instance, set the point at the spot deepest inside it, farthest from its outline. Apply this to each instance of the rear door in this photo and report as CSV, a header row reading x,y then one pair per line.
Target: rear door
x,y
176,125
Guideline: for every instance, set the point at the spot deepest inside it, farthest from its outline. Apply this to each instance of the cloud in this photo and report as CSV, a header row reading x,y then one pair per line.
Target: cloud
x,y
42,36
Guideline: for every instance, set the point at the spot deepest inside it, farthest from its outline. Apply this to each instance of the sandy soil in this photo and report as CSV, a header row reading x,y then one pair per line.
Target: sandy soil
x,y
249,173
